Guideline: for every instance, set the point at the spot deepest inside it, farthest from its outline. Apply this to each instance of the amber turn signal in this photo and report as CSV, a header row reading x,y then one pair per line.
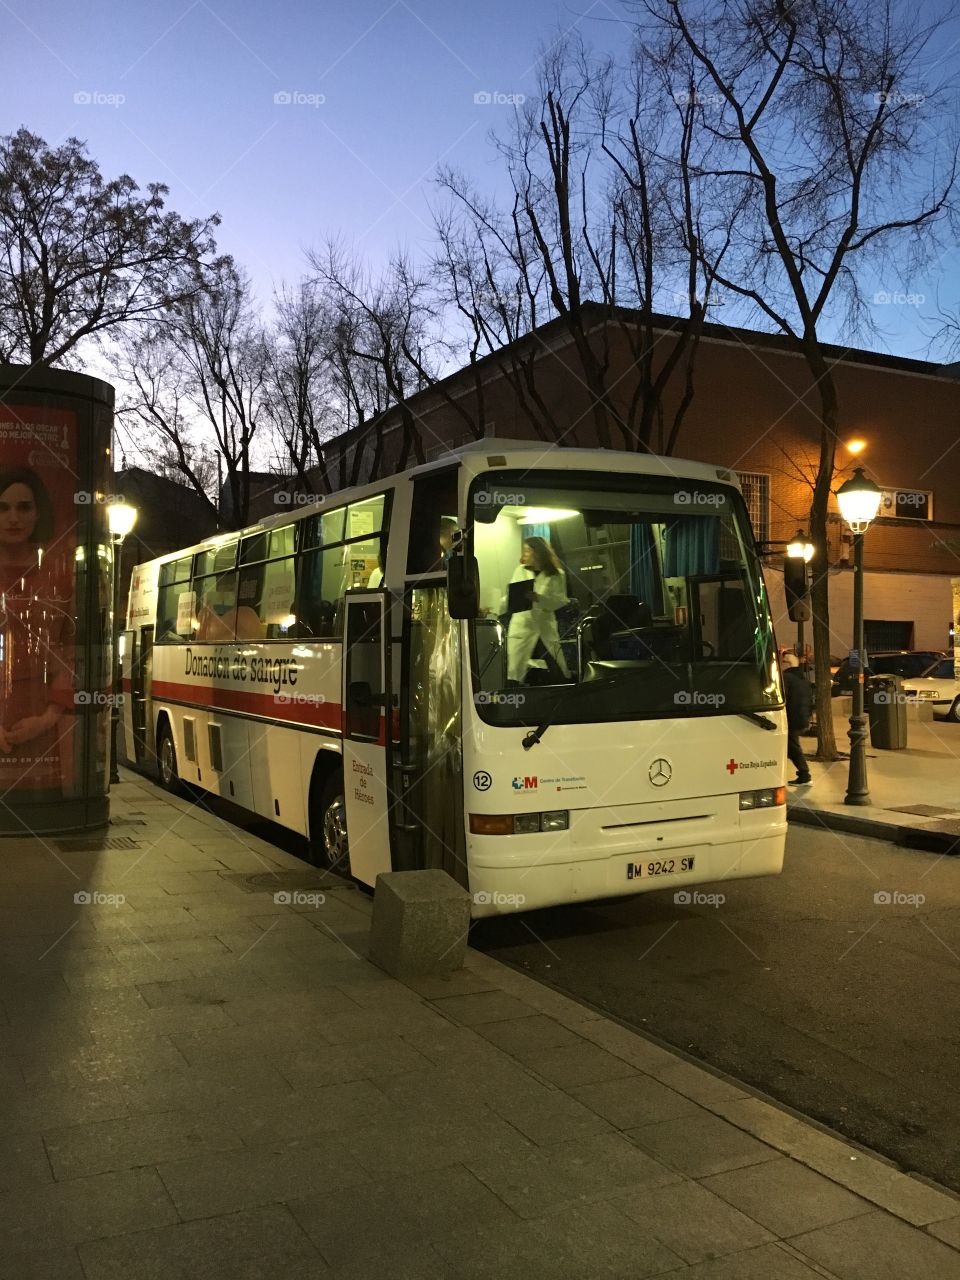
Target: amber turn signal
x,y
491,824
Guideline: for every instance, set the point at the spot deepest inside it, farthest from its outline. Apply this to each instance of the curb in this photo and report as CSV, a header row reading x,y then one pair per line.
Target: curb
x,y
912,1197
943,842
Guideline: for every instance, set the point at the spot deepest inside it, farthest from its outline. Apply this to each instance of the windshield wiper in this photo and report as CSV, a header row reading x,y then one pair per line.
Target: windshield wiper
x,y
755,718
533,737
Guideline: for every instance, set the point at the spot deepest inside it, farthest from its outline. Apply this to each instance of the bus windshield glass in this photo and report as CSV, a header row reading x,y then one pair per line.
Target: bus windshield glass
x,y
616,597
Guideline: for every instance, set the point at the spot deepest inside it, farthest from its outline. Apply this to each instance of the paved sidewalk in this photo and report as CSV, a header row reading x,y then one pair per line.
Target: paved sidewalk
x,y
204,1079
915,792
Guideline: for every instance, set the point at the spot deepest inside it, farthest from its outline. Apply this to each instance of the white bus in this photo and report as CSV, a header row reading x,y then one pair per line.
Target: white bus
x,y
378,672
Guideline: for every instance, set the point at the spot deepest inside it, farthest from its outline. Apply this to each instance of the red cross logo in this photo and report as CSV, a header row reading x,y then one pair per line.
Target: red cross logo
x,y
732,766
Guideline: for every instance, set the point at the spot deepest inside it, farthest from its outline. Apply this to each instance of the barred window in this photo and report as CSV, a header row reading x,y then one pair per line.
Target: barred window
x,y
756,494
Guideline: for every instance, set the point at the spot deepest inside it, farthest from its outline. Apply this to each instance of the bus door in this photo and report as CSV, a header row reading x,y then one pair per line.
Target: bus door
x,y
367,715
430,827
128,659
140,670
135,673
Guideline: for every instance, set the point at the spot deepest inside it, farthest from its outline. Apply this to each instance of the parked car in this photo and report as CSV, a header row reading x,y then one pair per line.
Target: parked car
x,y
938,685
895,662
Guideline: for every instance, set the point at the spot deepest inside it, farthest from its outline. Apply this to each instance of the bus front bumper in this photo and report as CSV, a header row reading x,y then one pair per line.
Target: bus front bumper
x,y
510,873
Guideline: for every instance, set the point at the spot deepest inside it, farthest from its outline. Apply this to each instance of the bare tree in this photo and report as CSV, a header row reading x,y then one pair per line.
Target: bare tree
x,y
603,226
156,421
300,396
79,255
197,380
813,119
486,280
661,207
386,348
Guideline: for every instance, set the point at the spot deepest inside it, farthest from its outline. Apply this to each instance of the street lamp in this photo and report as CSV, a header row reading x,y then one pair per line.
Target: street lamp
x,y
800,552
121,518
859,502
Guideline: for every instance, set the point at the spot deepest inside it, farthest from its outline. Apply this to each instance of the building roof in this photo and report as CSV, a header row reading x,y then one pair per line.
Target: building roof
x,y
170,513
546,336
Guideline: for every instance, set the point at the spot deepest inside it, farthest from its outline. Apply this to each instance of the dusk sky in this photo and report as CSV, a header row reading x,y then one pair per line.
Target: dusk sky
x,y
379,93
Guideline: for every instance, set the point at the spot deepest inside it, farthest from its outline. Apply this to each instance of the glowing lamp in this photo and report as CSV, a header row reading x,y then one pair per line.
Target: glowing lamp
x,y
121,518
859,501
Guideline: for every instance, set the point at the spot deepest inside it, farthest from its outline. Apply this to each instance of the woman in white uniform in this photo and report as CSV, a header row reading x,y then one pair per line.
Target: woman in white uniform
x,y
540,562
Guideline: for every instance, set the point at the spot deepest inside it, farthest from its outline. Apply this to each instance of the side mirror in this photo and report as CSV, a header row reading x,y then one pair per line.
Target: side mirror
x,y
795,587
463,587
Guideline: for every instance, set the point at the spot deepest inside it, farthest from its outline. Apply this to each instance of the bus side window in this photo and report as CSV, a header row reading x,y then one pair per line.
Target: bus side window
x,y
174,584
216,599
434,498
322,530
215,593
323,582
266,598
277,604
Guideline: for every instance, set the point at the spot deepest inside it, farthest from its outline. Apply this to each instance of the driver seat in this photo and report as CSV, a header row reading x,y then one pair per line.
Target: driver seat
x,y
618,613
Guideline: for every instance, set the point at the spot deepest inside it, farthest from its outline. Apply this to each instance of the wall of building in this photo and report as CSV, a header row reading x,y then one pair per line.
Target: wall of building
x,y
922,600
756,411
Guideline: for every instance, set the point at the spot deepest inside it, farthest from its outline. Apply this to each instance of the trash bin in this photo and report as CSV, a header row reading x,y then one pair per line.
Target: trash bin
x,y
884,704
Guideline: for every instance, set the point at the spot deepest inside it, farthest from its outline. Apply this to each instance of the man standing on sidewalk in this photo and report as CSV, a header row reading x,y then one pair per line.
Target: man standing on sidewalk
x,y
798,696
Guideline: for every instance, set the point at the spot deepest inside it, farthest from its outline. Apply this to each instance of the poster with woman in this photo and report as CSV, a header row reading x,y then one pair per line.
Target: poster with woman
x,y
38,541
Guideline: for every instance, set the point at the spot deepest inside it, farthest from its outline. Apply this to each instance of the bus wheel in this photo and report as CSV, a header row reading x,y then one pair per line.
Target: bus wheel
x,y
328,829
167,758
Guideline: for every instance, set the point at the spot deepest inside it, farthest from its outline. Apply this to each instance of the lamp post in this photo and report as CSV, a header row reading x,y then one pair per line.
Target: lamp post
x,y
859,502
800,550
121,518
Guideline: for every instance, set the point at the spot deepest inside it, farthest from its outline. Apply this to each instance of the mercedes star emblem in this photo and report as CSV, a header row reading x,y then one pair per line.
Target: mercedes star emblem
x,y
660,772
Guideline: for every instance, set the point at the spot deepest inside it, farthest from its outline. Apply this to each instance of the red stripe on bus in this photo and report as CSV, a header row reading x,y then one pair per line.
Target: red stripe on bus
x,y
324,715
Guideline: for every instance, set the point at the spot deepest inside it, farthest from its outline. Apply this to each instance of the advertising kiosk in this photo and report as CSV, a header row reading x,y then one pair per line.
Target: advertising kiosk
x,y
55,600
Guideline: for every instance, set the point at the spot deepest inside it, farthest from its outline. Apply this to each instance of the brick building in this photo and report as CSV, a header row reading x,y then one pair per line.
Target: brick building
x,y
755,411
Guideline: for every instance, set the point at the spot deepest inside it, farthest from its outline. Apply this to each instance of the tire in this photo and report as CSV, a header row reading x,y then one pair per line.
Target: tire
x,y
329,847
167,761
954,712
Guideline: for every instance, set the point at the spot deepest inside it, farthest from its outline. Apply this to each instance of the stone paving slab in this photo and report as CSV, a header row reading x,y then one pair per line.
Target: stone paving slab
x,y
409,1213
254,1243
785,1196
913,792
202,1081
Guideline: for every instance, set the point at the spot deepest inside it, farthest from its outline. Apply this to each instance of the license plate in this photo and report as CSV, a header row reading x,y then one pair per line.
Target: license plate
x,y
660,867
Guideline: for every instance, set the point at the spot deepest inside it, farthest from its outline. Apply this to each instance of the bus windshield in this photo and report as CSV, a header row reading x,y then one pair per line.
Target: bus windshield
x,y
616,597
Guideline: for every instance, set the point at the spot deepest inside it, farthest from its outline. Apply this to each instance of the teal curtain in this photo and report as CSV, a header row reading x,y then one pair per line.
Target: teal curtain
x,y
692,547
643,567
536,531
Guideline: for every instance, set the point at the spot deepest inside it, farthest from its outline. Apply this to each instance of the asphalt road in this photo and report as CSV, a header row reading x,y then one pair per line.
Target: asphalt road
x,y
800,985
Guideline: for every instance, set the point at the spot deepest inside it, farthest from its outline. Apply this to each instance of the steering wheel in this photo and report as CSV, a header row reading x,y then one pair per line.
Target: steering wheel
x,y
708,650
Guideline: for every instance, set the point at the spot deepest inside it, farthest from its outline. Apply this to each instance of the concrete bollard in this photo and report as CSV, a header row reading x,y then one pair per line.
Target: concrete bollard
x,y
420,923
920,712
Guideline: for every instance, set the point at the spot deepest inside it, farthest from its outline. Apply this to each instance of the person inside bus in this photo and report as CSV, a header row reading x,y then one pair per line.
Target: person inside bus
x,y
217,617
540,568
376,576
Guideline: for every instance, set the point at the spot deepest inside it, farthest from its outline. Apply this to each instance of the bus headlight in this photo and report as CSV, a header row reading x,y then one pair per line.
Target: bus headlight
x,y
519,824
767,798
526,823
